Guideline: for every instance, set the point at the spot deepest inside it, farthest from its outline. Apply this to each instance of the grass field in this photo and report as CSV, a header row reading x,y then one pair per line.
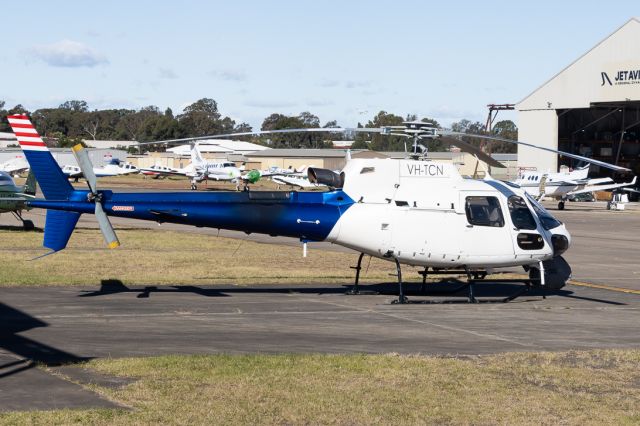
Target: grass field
x,y
156,258
598,387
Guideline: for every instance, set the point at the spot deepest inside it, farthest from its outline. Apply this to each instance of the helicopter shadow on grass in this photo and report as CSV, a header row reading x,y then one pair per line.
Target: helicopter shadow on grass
x,y
455,291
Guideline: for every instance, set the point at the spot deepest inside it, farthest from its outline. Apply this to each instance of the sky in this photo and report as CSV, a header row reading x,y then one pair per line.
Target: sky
x,y
340,60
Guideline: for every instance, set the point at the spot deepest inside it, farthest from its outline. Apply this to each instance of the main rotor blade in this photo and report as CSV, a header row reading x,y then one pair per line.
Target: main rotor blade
x,y
467,147
563,153
82,157
256,133
105,227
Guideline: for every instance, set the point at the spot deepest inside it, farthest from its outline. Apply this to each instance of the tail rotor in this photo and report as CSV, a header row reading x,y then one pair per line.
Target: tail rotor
x,y
94,196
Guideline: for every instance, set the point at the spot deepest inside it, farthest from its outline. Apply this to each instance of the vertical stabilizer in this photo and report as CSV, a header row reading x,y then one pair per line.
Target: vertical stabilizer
x,y
53,183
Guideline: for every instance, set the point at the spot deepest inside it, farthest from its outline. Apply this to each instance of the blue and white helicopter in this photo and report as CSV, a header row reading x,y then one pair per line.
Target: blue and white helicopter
x,y
410,212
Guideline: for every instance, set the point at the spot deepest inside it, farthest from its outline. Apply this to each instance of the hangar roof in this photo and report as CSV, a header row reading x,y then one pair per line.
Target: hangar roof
x,y
609,72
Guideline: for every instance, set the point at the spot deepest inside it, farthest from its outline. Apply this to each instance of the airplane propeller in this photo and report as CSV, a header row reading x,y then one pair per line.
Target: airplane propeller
x,y
82,157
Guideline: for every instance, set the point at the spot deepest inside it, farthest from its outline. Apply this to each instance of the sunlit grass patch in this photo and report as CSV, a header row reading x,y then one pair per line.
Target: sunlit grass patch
x,y
596,387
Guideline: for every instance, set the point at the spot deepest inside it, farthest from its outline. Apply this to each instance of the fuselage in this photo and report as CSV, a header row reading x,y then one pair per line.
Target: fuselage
x,y
421,213
11,195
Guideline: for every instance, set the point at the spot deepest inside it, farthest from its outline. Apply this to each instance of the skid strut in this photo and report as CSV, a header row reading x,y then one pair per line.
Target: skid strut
x,y
356,288
401,297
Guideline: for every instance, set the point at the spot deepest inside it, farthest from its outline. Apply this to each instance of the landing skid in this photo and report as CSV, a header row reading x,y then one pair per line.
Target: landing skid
x,y
474,276
478,276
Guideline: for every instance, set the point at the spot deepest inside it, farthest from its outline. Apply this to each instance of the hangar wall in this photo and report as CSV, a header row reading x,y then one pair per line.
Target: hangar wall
x,y
539,127
609,72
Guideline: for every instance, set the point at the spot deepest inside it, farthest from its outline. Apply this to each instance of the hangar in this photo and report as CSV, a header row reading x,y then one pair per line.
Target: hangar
x,y
591,108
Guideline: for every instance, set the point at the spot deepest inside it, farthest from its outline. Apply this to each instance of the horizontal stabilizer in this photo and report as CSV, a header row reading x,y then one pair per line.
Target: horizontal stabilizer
x,y
58,228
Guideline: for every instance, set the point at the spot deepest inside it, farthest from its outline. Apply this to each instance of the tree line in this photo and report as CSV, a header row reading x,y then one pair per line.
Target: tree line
x,y
73,121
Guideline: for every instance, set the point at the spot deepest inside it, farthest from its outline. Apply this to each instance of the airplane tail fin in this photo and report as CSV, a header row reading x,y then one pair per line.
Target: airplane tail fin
x,y
53,183
196,157
580,172
30,185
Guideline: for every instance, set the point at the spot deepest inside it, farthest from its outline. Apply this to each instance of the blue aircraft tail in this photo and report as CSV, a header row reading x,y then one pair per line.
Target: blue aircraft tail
x,y
53,183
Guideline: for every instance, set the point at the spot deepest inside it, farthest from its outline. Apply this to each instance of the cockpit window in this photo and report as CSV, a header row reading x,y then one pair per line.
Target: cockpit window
x,y
484,211
547,220
520,213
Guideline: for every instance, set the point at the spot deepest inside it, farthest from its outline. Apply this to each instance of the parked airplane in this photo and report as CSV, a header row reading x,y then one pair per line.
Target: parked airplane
x,y
114,168
13,197
213,170
15,166
411,211
158,171
560,186
294,179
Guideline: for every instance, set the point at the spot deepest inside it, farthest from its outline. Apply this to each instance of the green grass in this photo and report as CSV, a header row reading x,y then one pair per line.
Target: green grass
x,y
150,257
596,387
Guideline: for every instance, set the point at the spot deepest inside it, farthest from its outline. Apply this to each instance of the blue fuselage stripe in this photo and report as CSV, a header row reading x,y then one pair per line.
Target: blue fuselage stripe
x,y
305,215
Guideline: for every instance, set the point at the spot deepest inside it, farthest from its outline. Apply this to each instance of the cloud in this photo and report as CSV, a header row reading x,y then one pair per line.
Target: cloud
x,y
356,84
229,75
446,114
329,83
270,104
319,103
167,73
349,84
67,53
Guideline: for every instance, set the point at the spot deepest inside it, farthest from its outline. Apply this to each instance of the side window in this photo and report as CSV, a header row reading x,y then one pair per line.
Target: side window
x,y
484,211
520,214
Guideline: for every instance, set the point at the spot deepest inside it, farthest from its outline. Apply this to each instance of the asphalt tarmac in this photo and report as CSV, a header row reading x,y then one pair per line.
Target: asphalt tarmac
x,y
65,325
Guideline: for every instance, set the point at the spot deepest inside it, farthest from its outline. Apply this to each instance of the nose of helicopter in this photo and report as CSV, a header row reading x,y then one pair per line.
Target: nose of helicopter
x,y
560,240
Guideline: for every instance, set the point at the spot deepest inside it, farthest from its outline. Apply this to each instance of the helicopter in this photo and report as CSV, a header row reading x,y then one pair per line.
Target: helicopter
x,y
410,212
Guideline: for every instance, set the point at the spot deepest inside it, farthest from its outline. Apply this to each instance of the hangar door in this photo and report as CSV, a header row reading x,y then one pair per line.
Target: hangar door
x,y
606,131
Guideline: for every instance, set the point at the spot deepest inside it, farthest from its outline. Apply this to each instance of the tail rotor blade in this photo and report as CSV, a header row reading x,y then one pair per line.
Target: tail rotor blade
x,y
82,157
105,227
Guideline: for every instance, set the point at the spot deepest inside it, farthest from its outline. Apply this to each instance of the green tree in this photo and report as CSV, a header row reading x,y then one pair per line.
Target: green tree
x,y
201,118
382,142
76,106
506,129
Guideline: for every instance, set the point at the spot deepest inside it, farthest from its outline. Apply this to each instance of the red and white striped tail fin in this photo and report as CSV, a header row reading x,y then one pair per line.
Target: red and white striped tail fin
x,y
26,133
53,183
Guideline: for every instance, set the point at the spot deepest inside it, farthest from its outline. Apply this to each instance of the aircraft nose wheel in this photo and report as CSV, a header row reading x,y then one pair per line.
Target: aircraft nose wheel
x,y
194,187
28,225
561,205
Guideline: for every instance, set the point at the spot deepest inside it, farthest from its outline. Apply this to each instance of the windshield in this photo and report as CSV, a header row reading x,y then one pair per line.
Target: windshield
x,y
520,213
547,220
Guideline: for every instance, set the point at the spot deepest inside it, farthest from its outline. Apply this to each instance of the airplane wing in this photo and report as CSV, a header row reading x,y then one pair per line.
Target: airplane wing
x,y
597,181
593,188
161,172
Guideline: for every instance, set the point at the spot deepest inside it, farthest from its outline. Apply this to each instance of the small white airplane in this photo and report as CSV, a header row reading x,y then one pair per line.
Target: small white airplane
x,y
560,186
158,171
201,170
15,166
114,168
